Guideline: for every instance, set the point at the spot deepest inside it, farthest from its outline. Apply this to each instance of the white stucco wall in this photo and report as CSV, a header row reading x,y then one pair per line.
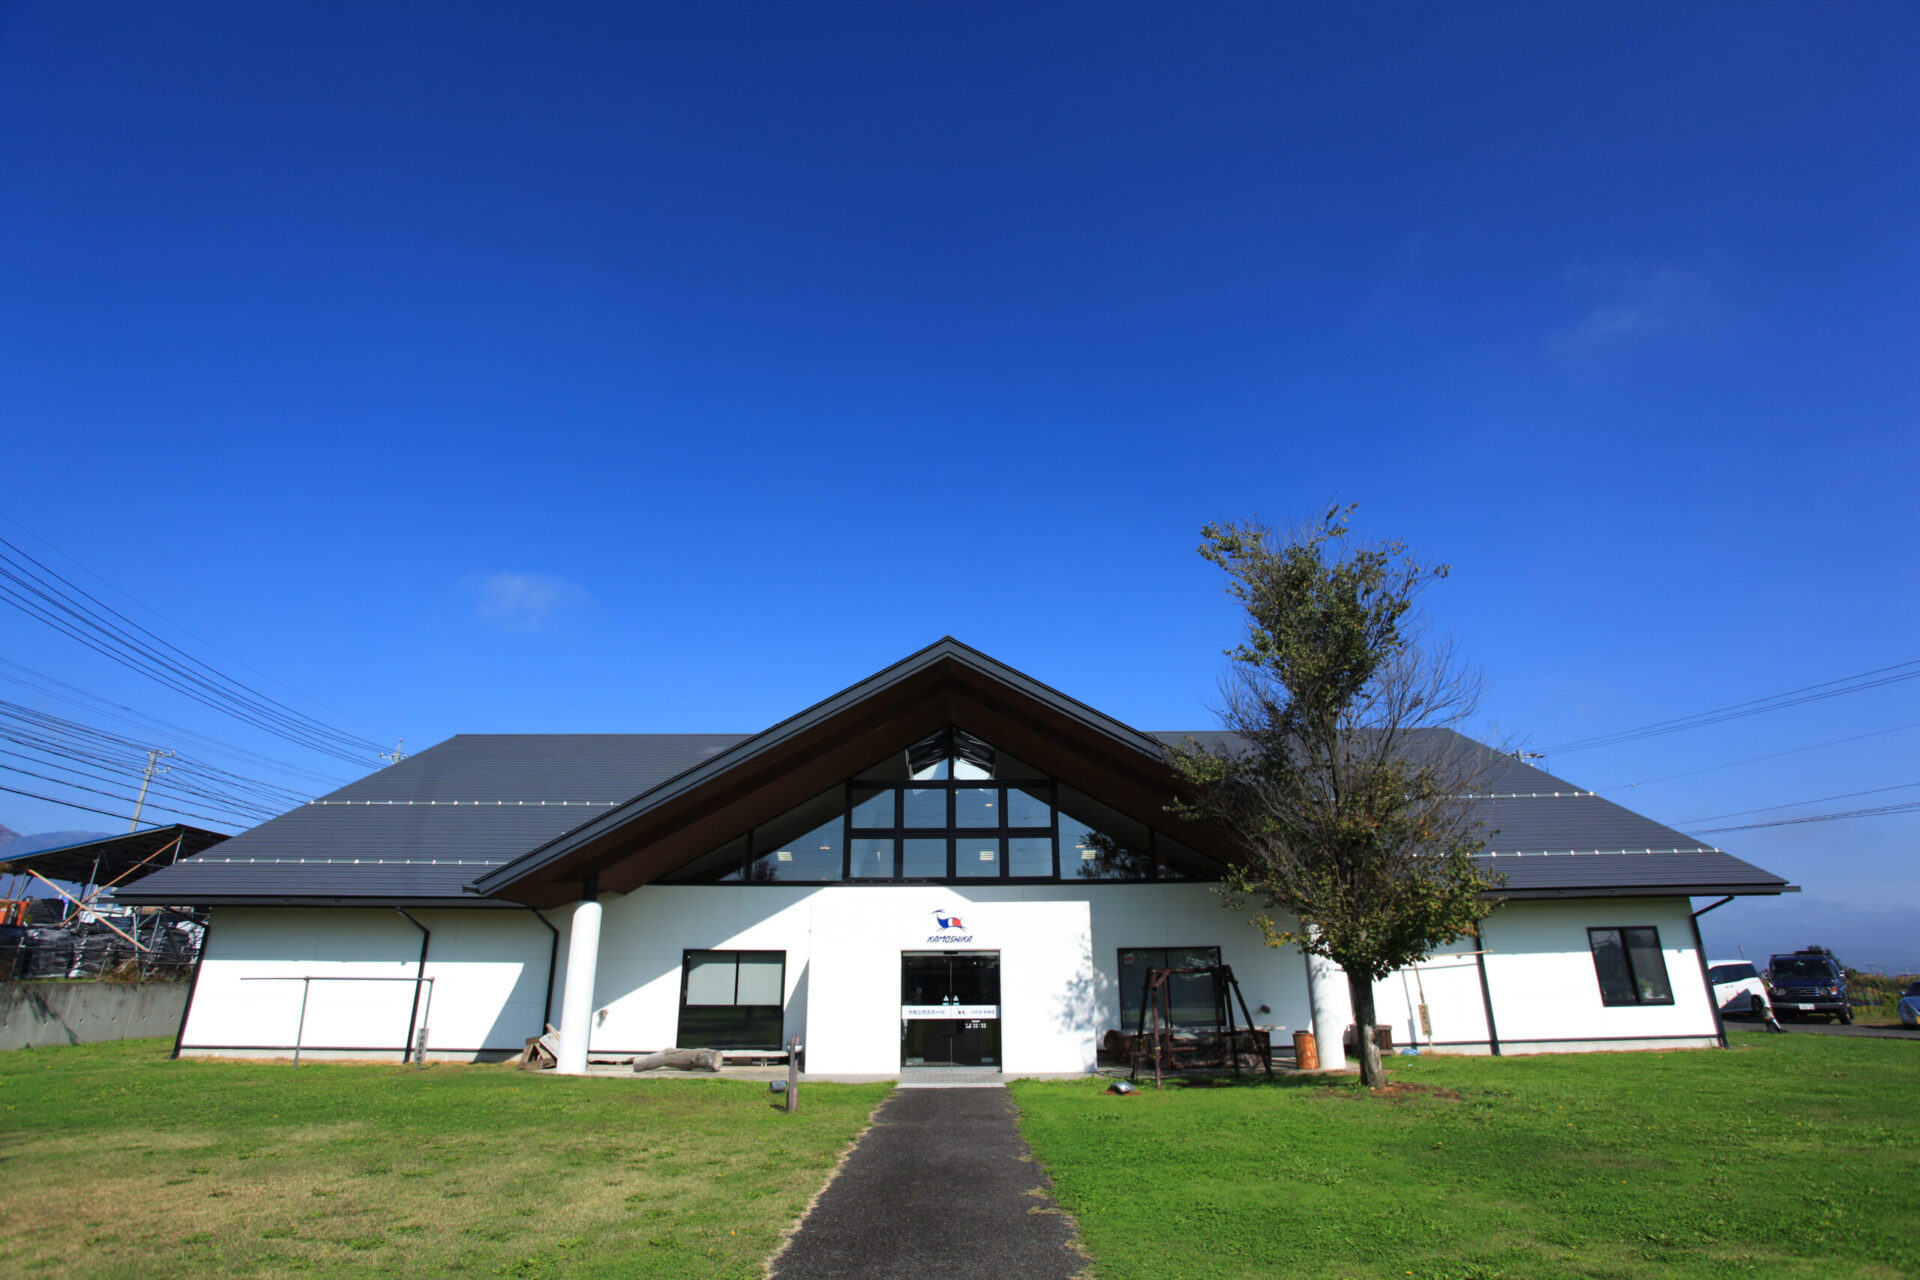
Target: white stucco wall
x,y
1059,948
488,969
1546,996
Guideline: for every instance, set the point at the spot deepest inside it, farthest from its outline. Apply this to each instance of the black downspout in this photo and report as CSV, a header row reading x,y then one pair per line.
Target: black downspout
x,y
553,961
1706,979
419,980
1486,991
193,985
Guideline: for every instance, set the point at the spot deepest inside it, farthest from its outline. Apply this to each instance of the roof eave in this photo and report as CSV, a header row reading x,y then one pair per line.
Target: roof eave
x,y
1645,891
751,749
311,900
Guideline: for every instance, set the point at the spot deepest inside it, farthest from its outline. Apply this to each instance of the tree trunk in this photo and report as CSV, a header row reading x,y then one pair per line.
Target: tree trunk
x,y
1360,988
683,1059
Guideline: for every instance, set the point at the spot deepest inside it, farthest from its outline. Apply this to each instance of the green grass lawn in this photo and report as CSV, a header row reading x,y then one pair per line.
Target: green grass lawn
x,y
115,1162
1786,1156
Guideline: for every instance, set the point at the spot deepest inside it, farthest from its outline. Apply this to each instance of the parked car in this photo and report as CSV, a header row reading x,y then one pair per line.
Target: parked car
x,y
1737,989
1910,1006
1810,980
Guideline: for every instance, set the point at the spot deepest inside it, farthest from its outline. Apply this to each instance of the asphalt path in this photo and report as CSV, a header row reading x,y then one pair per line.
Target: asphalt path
x,y
941,1186
1835,1029
1824,1027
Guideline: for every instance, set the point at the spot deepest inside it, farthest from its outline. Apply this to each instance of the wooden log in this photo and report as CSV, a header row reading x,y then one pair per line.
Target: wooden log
x,y
681,1059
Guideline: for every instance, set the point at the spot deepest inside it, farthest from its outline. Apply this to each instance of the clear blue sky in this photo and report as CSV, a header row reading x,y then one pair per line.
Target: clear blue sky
x,y
475,368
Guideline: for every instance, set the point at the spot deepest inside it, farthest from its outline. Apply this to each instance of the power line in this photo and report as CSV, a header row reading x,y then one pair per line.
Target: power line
x,y
1755,706
37,591
252,813
1773,755
176,626
97,705
1795,804
1912,806
56,735
85,808
111,796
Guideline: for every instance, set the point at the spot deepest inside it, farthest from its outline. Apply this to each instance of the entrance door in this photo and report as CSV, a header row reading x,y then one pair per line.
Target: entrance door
x,y
950,1009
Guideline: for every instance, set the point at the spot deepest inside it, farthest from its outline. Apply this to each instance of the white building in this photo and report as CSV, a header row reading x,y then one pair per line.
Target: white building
x,y
946,864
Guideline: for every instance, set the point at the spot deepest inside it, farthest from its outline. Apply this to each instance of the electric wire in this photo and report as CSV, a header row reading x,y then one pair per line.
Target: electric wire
x,y
78,751
1794,804
175,625
1772,755
50,687
1874,679
47,731
156,792
37,591
128,800
85,808
1912,806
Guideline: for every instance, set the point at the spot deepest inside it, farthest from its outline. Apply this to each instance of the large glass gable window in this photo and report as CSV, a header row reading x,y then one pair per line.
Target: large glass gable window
x,y
950,808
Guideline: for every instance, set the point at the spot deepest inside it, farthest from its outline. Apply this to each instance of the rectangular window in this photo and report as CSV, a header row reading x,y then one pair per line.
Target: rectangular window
x,y
1030,856
925,807
870,858
976,807
1630,966
873,806
732,999
976,858
1195,1003
923,859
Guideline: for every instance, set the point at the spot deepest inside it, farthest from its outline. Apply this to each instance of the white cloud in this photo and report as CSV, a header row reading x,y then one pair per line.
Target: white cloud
x,y
1628,304
524,601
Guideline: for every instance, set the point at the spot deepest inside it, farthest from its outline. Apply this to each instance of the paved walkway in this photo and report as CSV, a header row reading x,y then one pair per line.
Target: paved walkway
x,y
942,1185
1881,1031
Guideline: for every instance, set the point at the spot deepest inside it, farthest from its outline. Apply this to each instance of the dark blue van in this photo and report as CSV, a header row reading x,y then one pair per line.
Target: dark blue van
x,y
1810,980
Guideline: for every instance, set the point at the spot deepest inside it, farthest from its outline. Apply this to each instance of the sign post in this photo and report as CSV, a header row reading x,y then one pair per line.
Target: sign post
x,y
793,1073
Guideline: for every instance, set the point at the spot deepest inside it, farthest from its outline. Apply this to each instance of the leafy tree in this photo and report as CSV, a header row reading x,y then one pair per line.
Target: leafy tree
x,y
1348,815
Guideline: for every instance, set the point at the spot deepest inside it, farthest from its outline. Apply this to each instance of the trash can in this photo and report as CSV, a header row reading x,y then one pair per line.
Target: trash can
x,y
1306,1055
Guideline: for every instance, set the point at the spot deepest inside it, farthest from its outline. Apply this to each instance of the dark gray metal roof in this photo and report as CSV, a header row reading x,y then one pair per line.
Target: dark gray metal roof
x,y
465,811
426,827
1548,837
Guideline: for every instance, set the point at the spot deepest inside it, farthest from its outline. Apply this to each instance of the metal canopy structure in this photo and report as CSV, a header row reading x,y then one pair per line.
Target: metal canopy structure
x,y
119,859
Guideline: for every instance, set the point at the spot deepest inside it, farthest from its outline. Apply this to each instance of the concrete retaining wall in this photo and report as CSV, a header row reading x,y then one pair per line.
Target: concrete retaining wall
x,y
36,1015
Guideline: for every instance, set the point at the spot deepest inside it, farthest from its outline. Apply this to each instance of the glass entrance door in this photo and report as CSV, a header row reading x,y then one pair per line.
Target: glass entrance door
x,y
950,1009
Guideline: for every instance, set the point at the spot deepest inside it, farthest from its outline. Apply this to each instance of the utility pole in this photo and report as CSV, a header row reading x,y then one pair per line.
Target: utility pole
x,y
396,755
154,766
1524,756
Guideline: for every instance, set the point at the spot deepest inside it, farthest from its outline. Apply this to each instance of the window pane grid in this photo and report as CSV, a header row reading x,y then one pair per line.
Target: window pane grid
x,y
935,824
1629,965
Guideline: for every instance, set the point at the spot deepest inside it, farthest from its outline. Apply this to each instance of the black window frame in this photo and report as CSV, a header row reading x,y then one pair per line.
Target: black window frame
x,y
1157,868
1633,974
686,977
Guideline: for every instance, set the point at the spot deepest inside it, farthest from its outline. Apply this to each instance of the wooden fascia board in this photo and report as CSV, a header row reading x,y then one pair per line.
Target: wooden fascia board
x,y
692,825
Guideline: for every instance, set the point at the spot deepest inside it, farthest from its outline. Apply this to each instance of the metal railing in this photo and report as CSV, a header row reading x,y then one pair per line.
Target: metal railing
x,y
418,1049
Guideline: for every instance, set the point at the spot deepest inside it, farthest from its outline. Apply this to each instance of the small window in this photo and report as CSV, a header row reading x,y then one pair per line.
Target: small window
x,y
732,999
1630,966
1720,974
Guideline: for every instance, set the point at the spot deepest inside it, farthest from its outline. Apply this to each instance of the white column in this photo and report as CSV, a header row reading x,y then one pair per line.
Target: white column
x,y
1332,1010
576,1002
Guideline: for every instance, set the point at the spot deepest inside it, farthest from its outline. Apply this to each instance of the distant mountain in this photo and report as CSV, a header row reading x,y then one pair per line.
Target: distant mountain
x,y
17,846
7,833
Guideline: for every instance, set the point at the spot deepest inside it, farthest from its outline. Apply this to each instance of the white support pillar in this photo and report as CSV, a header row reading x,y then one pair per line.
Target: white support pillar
x,y
576,1002
1332,1011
